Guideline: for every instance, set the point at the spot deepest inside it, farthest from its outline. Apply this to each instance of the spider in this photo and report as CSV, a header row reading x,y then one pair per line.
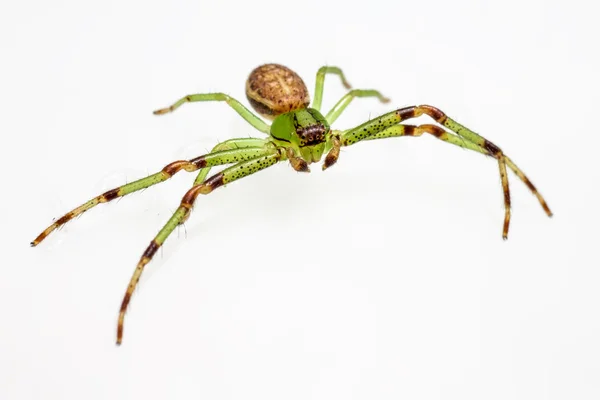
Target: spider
x,y
298,133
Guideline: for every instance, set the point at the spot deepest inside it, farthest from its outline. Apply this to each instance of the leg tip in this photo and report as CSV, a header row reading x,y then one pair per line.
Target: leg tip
x,y
161,111
33,244
120,328
385,100
506,226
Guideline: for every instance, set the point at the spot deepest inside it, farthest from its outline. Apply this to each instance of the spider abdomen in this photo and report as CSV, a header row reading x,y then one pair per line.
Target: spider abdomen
x,y
273,89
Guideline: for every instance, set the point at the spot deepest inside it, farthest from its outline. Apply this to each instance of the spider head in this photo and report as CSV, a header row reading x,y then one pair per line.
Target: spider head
x,y
305,130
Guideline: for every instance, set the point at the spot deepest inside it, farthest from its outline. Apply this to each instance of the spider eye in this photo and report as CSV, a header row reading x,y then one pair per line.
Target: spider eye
x,y
312,134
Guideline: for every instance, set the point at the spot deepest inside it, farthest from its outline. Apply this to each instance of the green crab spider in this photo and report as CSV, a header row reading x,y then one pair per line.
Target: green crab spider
x,y
298,133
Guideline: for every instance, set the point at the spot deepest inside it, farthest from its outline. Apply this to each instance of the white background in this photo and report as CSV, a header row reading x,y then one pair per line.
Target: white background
x,y
384,278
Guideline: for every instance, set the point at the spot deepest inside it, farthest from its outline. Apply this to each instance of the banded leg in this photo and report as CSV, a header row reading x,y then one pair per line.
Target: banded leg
x,y
503,161
316,104
441,118
248,115
436,131
341,105
230,144
379,124
182,213
207,160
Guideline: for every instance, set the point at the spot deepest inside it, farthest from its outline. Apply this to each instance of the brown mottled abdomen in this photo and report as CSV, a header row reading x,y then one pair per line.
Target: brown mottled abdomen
x,y
273,89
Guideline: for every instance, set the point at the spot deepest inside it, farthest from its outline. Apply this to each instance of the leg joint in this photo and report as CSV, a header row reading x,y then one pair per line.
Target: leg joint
x,y
177,166
431,129
110,195
492,148
434,112
151,250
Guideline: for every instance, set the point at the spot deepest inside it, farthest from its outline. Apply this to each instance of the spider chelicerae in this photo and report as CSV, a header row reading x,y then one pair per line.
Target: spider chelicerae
x,y
300,134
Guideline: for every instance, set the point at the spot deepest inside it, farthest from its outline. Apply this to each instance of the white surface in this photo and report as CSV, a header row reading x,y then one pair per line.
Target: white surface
x,y
384,278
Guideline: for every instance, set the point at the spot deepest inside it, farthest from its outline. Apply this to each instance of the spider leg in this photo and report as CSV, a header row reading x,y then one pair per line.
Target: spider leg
x,y
440,117
204,161
230,144
248,115
341,105
386,120
316,104
438,132
268,158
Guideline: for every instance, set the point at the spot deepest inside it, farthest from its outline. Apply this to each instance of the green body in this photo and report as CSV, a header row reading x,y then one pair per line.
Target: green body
x,y
301,136
305,131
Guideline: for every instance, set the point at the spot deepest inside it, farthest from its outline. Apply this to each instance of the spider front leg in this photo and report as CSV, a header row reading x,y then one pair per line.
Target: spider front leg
x,y
204,161
436,131
381,127
248,115
269,157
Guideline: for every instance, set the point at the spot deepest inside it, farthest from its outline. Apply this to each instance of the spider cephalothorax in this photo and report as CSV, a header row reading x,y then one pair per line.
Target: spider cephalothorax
x,y
299,134
305,131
